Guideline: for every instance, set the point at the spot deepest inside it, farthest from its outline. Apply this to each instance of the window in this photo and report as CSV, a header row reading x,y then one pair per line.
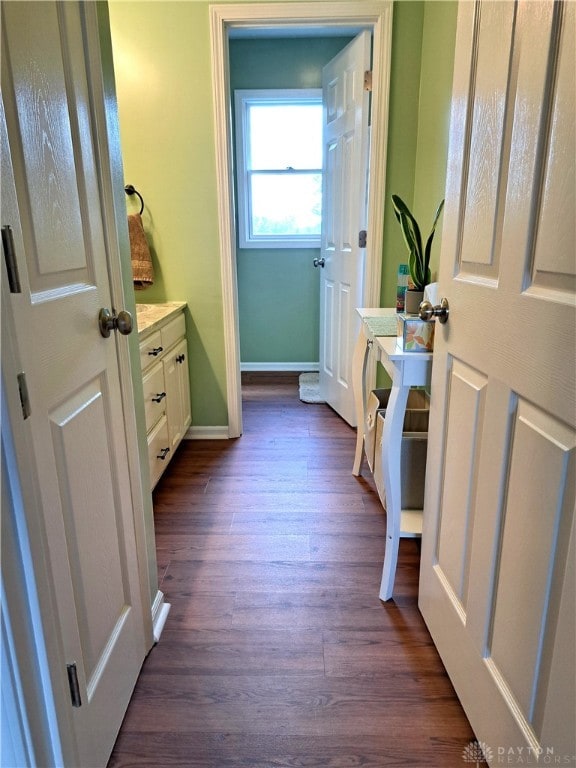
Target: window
x,y
279,168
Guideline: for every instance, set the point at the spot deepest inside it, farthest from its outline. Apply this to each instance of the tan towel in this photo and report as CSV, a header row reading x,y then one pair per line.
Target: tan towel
x,y
142,268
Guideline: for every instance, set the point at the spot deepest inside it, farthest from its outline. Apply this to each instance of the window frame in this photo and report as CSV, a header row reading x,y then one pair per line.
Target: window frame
x,y
243,99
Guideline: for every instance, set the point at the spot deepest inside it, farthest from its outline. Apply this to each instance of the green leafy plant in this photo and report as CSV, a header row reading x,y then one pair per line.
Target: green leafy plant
x,y
419,255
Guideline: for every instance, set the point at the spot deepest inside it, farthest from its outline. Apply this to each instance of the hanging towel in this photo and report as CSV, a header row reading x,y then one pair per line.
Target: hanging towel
x,y
142,268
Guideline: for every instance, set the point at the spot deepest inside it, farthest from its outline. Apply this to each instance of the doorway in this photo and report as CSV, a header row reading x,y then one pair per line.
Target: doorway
x,y
284,19
278,285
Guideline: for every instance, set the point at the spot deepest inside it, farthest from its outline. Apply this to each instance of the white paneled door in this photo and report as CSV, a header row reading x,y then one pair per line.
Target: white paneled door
x,y
344,205
76,471
497,586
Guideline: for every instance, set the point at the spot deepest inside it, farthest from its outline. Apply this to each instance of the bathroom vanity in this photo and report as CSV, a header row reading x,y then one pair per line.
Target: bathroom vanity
x,y
166,379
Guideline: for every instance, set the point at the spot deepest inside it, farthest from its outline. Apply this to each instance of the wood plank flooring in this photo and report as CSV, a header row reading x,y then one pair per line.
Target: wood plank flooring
x,y
277,650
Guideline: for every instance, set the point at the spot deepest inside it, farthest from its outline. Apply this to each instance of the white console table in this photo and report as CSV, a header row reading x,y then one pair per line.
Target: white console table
x,y
406,369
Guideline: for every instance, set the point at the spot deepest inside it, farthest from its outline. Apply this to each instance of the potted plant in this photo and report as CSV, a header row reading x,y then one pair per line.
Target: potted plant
x,y
419,255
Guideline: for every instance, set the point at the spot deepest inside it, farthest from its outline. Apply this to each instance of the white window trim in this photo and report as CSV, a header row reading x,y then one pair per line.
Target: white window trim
x,y
242,99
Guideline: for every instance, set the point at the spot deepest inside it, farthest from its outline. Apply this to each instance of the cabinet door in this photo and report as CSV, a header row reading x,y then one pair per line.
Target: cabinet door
x,y
154,395
159,453
177,383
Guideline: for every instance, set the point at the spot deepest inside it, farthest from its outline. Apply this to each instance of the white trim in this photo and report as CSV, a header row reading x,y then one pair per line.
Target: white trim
x,y
381,64
15,733
226,223
376,15
160,611
30,724
295,367
208,433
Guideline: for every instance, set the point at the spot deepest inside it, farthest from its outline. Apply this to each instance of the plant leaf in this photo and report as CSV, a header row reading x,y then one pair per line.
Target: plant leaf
x,y
419,258
412,238
415,238
428,249
408,233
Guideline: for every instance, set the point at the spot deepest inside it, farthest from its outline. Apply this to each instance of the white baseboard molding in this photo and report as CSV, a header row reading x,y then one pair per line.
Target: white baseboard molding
x,y
160,611
299,367
207,433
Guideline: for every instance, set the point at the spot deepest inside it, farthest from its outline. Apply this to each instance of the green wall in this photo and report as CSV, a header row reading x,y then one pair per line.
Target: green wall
x,y
421,87
163,74
434,115
278,290
402,134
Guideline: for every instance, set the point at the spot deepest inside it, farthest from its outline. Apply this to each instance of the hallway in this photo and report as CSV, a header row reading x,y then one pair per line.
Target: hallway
x,y
277,650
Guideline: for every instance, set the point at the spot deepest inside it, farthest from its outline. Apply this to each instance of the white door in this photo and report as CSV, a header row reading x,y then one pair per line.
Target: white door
x,y
497,586
76,472
344,205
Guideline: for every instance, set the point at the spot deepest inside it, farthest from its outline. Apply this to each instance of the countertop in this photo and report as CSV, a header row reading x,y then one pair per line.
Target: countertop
x,y
148,316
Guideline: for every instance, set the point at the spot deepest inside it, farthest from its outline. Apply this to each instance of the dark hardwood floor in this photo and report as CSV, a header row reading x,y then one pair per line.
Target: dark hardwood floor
x,y
277,650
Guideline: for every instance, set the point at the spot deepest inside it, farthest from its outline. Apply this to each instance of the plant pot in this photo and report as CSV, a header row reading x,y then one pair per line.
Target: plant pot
x,y
412,301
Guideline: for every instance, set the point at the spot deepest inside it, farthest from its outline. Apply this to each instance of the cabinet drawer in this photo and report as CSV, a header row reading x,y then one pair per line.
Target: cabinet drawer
x,y
173,331
158,450
150,349
154,395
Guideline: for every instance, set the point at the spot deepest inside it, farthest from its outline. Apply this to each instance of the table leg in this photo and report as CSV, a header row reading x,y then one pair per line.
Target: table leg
x,y
359,364
391,453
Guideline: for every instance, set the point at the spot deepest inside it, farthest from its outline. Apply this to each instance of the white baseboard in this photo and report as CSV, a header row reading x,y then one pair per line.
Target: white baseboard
x,y
160,611
299,367
207,433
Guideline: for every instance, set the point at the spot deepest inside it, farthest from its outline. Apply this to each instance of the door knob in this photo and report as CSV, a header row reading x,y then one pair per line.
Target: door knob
x,y
108,322
319,262
441,311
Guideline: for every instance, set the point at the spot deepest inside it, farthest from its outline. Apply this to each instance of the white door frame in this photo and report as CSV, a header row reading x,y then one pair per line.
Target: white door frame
x,y
375,16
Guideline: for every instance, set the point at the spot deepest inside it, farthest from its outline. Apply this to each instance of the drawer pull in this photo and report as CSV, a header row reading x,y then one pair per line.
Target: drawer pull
x,y
180,358
156,351
163,453
159,397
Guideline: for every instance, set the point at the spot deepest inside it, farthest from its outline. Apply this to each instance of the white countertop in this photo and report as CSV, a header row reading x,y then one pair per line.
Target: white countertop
x,y
150,315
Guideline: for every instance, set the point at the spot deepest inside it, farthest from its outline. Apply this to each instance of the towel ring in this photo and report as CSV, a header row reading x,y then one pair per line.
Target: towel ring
x,y
130,190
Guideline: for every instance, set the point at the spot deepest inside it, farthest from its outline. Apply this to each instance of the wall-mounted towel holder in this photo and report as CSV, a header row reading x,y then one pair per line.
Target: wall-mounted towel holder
x,y
130,190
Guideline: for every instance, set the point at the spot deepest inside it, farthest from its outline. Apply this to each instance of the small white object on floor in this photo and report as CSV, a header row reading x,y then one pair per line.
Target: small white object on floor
x,y
309,384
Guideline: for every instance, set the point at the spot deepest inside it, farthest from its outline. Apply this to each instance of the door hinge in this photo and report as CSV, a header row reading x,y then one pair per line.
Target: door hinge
x,y
74,687
362,238
368,80
10,259
24,399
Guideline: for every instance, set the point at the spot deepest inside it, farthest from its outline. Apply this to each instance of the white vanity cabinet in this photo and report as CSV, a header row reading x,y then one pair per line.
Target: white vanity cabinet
x,y
177,385
166,381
